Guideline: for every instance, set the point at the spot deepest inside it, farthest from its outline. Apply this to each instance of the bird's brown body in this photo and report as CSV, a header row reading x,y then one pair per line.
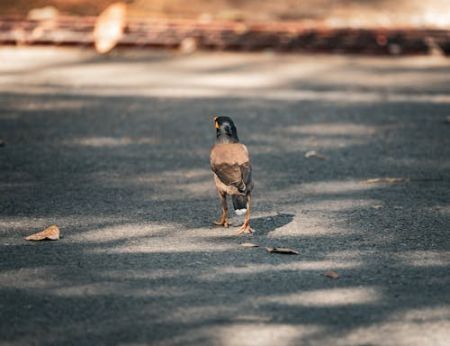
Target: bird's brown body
x,y
230,164
232,169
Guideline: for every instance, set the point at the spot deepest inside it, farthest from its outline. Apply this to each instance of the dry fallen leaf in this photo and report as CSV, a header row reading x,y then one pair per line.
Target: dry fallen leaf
x,y
282,250
249,245
50,233
377,206
386,180
331,274
109,27
313,153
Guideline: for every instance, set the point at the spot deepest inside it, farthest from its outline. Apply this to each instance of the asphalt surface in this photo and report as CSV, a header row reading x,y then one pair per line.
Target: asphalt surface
x,y
115,150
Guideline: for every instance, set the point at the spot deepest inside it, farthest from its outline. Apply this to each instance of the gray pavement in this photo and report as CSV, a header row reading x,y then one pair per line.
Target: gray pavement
x,y
115,151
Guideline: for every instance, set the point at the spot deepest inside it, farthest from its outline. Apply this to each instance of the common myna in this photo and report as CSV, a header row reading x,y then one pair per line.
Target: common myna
x,y
230,163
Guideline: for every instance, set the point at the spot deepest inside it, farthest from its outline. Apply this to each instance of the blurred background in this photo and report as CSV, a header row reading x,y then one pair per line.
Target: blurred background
x,y
360,13
353,26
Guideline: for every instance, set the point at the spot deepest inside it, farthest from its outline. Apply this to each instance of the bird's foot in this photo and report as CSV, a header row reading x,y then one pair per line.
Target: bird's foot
x,y
245,229
222,222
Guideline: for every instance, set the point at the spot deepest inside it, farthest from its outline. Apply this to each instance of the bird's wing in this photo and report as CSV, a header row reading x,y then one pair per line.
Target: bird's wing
x,y
231,164
246,173
228,174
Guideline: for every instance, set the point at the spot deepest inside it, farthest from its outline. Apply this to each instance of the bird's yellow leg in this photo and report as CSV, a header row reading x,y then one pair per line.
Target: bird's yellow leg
x,y
223,220
245,228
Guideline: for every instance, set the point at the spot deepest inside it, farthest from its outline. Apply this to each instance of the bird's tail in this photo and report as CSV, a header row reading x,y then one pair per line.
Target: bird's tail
x,y
239,204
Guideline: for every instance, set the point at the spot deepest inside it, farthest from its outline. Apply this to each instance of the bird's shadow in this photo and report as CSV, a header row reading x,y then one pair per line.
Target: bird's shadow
x,y
266,224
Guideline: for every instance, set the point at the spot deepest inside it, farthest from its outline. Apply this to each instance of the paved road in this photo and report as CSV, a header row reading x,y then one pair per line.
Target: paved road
x,y
115,151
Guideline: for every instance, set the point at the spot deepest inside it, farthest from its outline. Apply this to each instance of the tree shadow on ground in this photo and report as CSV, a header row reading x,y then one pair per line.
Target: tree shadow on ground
x,y
127,179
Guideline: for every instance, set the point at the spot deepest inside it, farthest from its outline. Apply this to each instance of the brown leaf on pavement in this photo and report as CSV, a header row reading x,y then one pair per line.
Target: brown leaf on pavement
x,y
249,245
331,274
109,27
50,233
313,153
282,250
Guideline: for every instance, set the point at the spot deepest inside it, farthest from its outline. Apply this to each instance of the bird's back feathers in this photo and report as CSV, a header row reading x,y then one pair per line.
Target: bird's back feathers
x,y
231,164
230,153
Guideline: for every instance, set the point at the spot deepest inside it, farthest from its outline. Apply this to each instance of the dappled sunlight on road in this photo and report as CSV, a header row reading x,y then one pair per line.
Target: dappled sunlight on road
x,y
224,273
35,278
126,232
310,225
333,205
47,280
163,244
335,187
336,129
55,105
114,150
223,75
425,258
414,327
328,297
263,334
99,142
122,289
278,141
190,183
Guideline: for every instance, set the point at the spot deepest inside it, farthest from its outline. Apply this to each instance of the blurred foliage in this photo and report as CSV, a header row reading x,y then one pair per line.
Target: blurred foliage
x,y
332,12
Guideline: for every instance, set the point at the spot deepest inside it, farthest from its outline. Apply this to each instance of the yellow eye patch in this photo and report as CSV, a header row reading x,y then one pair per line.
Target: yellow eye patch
x,y
216,123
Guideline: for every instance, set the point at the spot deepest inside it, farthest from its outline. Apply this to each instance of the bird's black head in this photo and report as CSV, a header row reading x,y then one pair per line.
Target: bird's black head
x,y
225,130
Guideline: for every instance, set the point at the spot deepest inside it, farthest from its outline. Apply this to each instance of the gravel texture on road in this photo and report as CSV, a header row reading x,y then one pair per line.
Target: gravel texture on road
x,y
114,150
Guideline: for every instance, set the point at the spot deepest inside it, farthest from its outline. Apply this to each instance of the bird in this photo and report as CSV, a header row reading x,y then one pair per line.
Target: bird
x,y
230,163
